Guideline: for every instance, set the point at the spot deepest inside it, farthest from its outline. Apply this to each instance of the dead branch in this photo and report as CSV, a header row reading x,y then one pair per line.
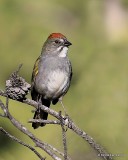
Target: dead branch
x,y
17,89
23,129
63,137
21,142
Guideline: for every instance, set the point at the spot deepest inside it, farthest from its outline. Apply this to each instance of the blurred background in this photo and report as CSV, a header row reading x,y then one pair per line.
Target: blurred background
x,y
98,98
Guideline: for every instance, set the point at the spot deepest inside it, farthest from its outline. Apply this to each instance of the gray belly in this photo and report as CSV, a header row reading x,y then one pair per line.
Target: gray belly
x,y
53,85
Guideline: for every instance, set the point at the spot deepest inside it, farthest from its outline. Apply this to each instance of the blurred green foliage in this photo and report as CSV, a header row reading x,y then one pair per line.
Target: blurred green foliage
x,y
98,98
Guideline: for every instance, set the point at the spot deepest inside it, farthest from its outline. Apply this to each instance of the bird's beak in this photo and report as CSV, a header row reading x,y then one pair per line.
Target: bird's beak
x,y
67,43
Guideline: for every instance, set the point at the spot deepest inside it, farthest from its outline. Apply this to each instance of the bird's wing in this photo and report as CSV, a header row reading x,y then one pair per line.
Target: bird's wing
x,y
34,94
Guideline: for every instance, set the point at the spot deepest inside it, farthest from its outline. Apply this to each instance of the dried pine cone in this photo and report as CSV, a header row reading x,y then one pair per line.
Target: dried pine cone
x,y
16,87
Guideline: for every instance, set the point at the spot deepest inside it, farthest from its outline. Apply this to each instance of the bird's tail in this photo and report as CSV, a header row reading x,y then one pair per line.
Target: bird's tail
x,y
40,114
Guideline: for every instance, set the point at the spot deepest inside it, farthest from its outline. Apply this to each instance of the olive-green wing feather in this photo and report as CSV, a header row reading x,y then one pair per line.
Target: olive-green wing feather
x,y
34,94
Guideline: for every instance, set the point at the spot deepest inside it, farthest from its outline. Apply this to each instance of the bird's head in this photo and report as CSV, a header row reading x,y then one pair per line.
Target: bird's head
x,y
57,44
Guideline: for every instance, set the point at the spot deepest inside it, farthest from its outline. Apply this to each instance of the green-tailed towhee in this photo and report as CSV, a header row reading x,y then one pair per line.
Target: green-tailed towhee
x,y
51,75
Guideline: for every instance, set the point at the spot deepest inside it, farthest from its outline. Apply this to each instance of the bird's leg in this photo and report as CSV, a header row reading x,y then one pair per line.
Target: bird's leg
x,y
60,99
37,110
39,103
66,115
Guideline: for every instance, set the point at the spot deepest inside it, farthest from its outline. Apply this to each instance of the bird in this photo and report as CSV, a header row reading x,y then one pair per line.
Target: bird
x,y
51,76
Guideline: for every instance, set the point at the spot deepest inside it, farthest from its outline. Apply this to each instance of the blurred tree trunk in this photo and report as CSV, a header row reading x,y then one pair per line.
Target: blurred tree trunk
x,y
115,19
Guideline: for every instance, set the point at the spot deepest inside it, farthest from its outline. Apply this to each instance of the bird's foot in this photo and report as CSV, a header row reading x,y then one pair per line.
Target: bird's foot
x,y
64,121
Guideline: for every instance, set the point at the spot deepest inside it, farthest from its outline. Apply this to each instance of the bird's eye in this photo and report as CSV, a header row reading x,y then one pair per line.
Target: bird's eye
x,y
57,41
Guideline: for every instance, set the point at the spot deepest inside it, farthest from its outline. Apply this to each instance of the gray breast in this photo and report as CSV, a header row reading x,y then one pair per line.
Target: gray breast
x,y
53,77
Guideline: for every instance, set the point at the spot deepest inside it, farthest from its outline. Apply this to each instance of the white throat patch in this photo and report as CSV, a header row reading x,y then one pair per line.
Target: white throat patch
x,y
63,52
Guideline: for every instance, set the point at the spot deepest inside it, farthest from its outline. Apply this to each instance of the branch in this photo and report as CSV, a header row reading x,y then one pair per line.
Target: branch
x,y
44,121
21,142
63,137
23,129
99,149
